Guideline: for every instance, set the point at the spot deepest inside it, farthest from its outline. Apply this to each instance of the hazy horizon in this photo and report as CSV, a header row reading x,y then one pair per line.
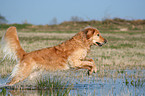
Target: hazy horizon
x,y
48,11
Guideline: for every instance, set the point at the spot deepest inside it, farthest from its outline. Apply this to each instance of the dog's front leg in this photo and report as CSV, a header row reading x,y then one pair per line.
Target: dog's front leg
x,y
90,65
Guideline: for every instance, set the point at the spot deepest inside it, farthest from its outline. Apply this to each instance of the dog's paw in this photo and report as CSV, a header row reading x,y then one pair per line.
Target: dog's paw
x,y
95,69
90,72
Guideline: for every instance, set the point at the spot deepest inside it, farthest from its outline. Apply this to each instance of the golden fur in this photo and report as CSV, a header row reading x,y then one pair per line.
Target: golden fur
x,y
69,54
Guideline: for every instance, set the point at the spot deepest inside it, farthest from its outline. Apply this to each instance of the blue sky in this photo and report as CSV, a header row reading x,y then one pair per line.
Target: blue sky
x,y
43,11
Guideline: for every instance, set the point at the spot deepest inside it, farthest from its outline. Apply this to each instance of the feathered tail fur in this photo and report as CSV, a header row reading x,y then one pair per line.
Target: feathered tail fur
x,y
10,45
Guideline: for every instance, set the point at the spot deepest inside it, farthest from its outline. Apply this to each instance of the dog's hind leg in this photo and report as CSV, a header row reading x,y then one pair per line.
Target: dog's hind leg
x,y
20,73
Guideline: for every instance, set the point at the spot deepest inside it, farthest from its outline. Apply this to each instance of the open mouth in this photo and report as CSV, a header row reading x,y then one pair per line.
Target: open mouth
x,y
99,44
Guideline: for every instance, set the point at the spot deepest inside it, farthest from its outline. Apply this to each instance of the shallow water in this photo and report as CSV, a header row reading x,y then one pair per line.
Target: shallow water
x,y
128,83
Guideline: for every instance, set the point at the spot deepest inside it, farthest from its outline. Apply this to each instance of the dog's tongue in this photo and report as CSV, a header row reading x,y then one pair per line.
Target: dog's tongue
x,y
99,44
96,44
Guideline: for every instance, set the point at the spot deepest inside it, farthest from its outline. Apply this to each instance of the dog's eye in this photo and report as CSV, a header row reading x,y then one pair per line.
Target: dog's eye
x,y
98,35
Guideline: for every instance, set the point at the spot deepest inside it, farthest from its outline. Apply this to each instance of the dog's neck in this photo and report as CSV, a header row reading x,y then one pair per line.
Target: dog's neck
x,y
80,42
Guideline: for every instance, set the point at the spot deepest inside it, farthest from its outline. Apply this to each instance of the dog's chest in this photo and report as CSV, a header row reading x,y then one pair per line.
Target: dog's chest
x,y
79,54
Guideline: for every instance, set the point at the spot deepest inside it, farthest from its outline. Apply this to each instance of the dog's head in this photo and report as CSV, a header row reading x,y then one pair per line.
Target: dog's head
x,y
94,36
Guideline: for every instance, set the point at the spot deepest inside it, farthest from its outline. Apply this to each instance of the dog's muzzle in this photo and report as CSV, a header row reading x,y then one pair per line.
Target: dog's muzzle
x,y
100,44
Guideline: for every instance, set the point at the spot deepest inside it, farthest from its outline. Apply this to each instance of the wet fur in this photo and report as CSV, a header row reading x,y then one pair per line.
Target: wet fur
x,y
69,54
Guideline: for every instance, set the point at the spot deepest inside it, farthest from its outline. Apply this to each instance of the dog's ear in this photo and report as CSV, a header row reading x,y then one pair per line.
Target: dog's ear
x,y
89,32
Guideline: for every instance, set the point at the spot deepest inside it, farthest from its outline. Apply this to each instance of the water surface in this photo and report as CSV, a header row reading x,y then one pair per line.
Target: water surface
x,y
126,83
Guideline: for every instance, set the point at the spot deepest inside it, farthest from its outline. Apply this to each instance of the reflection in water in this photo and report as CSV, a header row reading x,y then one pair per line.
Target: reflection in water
x,y
100,89
121,86
49,92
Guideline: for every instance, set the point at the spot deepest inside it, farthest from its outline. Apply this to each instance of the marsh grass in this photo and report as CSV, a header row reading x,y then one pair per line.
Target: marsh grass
x,y
134,83
51,83
3,92
54,85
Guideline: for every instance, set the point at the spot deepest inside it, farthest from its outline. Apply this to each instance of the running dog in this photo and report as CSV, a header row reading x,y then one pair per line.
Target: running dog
x,y
69,54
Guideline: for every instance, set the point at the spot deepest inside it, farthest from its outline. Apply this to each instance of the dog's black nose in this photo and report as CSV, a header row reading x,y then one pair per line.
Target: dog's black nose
x,y
105,41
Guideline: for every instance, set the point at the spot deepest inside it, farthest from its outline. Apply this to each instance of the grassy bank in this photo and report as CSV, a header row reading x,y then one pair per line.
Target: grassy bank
x,y
115,24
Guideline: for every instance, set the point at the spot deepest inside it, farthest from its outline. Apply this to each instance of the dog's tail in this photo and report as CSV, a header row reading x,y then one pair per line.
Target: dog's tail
x,y
10,45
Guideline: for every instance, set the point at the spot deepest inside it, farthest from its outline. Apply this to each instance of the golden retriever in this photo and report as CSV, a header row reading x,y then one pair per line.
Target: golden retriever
x,y
69,54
